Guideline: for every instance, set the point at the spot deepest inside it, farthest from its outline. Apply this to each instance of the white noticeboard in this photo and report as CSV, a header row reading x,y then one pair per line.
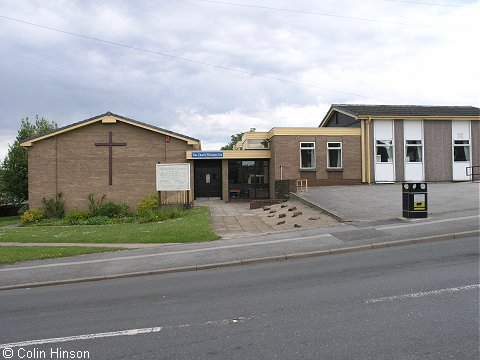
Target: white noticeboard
x,y
173,177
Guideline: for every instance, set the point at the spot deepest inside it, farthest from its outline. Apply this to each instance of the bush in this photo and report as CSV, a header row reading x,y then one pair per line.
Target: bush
x,y
54,208
77,217
94,205
98,220
112,210
32,216
22,209
147,205
162,214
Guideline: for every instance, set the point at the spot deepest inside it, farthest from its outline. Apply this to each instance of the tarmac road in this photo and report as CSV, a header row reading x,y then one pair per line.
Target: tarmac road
x,y
415,302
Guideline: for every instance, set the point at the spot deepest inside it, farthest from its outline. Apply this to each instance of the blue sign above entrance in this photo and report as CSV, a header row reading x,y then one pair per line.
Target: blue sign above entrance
x,y
207,154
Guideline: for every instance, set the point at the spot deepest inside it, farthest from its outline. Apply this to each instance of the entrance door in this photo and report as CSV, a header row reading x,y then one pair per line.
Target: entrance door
x,y
413,135
384,156
208,179
461,150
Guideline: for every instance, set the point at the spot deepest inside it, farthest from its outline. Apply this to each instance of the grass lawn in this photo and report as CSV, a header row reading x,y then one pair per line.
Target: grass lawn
x,y
13,254
194,227
9,220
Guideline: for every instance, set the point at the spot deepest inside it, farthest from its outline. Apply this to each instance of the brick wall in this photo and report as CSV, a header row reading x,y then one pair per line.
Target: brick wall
x,y
286,153
71,163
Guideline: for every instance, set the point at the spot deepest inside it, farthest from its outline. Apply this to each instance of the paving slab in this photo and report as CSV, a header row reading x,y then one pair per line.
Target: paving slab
x,y
384,201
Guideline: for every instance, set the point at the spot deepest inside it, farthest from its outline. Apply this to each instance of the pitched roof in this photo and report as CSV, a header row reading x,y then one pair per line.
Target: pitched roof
x,y
109,117
407,110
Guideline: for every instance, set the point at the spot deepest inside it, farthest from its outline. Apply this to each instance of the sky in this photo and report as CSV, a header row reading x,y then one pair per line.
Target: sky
x,y
210,69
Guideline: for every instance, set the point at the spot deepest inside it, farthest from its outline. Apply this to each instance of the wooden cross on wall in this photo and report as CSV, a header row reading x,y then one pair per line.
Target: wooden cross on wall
x,y
110,145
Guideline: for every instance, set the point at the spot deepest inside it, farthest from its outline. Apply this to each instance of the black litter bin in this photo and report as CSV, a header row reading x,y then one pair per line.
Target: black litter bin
x,y
414,196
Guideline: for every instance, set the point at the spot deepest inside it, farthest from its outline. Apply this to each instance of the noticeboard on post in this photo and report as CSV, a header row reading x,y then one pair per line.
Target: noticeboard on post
x,y
173,177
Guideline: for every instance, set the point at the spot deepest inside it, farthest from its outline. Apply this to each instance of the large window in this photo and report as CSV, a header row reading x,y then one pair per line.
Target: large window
x,y
248,179
461,150
334,155
307,156
384,151
413,150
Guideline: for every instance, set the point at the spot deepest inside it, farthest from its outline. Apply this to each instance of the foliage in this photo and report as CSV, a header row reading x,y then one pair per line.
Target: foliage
x,y
14,174
54,208
233,140
162,214
93,204
195,226
99,220
77,217
23,208
113,210
147,205
32,216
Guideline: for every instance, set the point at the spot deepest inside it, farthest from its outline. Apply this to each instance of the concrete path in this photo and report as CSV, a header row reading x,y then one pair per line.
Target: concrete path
x,y
384,201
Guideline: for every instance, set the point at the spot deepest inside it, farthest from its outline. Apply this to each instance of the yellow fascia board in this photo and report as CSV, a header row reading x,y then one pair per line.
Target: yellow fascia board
x,y
314,131
189,141
61,131
234,154
253,135
107,120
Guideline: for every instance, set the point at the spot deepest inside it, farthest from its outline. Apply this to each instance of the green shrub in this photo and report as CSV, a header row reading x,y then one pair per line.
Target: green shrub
x,y
77,217
162,214
22,209
98,220
93,204
32,216
54,208
113,210
147,205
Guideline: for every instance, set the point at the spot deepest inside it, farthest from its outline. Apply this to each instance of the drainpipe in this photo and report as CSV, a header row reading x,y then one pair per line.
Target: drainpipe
x,y
369,175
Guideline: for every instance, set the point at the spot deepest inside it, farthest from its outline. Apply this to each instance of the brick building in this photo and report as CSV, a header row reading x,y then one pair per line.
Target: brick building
x,y
116,156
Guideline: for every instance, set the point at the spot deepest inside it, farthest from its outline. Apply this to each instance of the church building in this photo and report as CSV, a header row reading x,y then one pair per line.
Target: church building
x,y
116,157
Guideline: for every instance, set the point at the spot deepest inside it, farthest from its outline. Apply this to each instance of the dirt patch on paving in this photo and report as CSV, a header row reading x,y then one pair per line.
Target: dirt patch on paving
x,y
293,215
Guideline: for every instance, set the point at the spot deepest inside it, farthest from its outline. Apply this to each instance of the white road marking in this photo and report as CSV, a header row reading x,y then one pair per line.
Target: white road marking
x,y
424,293
387,227
164,253
131,332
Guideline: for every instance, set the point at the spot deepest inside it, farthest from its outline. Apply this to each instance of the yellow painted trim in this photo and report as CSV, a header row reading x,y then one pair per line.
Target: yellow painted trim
x,y
235,154
253,135
30,143
107,120
369,172
311,131
362,140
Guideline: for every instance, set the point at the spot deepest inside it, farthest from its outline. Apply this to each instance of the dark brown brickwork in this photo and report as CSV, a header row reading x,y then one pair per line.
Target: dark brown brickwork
x,y
71,163
286,153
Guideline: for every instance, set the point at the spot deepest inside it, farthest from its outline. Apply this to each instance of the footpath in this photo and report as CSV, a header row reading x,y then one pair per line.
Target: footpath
x,y
288,245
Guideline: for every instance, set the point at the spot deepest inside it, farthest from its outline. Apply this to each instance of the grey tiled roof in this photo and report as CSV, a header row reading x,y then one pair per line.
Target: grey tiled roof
x,y
407,110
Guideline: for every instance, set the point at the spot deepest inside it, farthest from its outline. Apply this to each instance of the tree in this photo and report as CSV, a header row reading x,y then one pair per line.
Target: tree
x,y
233,140
14,174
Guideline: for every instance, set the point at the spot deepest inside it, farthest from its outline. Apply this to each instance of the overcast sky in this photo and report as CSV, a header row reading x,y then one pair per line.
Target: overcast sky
x,y
329,51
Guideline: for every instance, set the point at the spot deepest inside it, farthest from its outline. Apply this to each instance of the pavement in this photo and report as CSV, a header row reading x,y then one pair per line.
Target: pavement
x,y
454,216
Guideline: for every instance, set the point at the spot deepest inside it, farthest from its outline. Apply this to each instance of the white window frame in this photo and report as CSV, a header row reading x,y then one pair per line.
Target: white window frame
x,y
314,157
467,145
339,148
385,146
416,145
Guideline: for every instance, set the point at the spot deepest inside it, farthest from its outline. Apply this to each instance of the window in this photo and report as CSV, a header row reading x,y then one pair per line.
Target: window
x,y
334,155
461,150
307,156
384,151
413,150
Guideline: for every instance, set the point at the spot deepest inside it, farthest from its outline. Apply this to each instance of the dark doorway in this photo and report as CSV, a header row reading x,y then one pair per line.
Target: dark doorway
x,y
208,178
